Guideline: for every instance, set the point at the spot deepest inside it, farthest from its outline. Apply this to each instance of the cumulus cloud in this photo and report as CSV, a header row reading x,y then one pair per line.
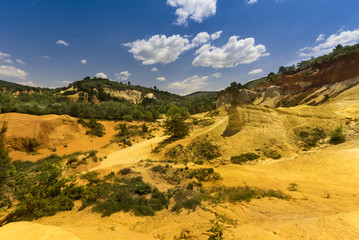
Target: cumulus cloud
x,y
163,49
243,51
196,10
217,75
101,75
255,71
10,71
123,75
320,38
159,49
46,57
154,69
161,79
62,42
216,35
201,38
190,84
20,61
83,61
344,38
250,2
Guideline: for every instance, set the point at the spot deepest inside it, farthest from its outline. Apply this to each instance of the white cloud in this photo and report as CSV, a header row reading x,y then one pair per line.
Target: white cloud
x,y
190,84
83,61
161,79
217,75
28,83
123,75
20,61
201,38
243,51
216,35
344,38
8,61
9,71
62,42
255,71
4,55
320,38
46,57
250,2
101,75
159,49
163,49
197,10
154,69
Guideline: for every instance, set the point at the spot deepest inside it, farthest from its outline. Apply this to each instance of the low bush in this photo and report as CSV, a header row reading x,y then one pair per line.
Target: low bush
x,y
311,137
337,136
271,153
240,193
243,158
95,128
31,144
129,195
204,174
125,171
204,149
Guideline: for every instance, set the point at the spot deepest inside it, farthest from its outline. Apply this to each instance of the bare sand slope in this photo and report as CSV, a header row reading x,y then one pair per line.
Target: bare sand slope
x,y
34,231
133,154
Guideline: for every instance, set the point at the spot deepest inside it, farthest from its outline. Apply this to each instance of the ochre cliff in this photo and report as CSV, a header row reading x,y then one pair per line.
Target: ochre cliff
x,y
311,86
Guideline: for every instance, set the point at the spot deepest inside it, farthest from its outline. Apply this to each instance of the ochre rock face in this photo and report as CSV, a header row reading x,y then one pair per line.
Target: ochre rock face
x,y
328,73
310,86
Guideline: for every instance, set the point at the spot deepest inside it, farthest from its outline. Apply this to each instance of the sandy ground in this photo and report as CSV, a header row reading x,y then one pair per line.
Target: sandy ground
x,y
325,206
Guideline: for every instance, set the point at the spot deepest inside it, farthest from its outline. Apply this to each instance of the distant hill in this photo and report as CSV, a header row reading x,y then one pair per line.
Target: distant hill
x,y
14,87
97,90
100,99
204,94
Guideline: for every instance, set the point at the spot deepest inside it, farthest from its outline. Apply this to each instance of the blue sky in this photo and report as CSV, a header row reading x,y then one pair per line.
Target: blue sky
x,y
180,46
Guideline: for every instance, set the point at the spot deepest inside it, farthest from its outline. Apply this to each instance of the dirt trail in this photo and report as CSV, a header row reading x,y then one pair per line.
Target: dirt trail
x,y
130,155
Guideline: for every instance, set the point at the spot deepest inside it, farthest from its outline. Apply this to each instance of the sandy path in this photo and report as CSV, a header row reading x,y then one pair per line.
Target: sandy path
x,y
130,155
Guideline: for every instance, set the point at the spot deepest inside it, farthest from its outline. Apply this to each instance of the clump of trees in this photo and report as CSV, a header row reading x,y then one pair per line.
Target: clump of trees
x,y
175,124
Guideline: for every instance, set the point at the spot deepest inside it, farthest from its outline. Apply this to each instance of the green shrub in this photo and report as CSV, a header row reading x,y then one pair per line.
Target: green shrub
x,y
95,128
216,231
125,171
127,195
243,158
240,193
292,187
271,153
204,174
31,144
159,169
311,137
337,136
204,149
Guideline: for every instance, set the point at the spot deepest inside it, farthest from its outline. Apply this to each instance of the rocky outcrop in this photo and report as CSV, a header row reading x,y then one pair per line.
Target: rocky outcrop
x,y
129,95
48,130
311,86
235,96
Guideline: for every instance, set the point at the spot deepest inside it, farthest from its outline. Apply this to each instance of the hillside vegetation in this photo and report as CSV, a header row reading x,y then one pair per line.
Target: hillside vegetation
x,y
40,101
